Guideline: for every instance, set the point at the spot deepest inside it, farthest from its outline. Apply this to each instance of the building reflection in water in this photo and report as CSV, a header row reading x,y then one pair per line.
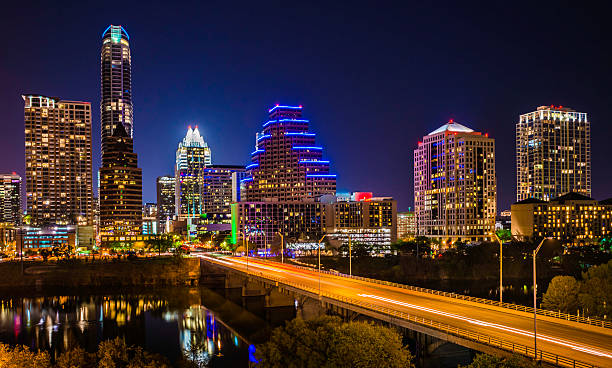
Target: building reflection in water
x,y
59,323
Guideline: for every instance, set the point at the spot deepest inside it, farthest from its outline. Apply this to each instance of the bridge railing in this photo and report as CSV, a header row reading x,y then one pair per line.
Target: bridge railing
x,y
527,351
544,312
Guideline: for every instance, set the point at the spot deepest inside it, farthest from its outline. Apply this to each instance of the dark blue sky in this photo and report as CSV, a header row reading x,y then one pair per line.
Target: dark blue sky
x,y
374,77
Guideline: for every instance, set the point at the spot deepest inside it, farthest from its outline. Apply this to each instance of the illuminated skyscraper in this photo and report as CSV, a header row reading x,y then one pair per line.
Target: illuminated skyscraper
x,y
192,156
455,192
220,188
120,186
116,82
553,153
10,199
165,202
286,165
58,161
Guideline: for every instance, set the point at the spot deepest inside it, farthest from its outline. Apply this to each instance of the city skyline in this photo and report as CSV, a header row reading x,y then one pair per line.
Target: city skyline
x,y
227,122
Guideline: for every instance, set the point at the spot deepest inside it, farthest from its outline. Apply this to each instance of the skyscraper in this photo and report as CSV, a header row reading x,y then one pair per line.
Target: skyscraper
x,y
116,82
58,161
120,186
192,156
10,199
455,192
553,153
286,165
165,202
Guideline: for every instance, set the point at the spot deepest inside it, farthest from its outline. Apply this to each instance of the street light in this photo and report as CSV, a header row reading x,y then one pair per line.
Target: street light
x,y
320,240
350,257
501,266
282,247
535,331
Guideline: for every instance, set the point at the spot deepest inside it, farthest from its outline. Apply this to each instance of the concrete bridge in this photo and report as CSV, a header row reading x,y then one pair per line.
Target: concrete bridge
x,y
481,326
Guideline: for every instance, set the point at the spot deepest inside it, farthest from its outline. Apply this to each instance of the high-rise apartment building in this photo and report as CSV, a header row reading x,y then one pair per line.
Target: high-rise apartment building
x,y
120,186
10,199
192,156
165,202
116,83
553,153
286,164
58,161
455,192
220,184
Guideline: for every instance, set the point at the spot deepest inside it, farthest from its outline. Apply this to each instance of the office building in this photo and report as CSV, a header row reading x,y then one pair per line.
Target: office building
x,y
10,199
286,165
572,218
165,202
192,156
260,222
553,153
220,188
406,224
120,186
455,191
58,161
116,83
364,219
33,238
149,219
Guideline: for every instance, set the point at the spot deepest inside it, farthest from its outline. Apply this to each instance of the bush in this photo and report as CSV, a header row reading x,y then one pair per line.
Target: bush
x,y
490,361
22,357
562,294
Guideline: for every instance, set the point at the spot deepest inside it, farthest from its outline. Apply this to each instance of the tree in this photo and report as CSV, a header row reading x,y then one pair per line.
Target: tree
x,y
504,235
328,342
22,357
490,361
562,294
116,353
596,291
160,242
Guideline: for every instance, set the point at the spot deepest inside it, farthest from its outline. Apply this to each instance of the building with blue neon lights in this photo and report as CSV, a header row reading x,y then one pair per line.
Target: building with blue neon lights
x,y
286,164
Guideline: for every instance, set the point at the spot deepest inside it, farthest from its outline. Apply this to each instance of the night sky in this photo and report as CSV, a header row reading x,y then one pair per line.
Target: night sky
x,y
373,77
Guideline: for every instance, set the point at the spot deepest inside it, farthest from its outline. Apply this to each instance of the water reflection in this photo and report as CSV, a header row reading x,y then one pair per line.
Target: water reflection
x,y
176,325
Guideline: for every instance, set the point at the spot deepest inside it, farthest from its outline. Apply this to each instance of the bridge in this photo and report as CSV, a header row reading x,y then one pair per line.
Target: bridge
x,y
478,324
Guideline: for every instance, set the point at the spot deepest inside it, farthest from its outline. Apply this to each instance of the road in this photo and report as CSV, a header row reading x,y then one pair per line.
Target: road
x,y
589,344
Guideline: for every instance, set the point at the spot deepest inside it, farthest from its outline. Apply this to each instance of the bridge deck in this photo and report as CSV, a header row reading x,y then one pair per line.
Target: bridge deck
x,y
584,343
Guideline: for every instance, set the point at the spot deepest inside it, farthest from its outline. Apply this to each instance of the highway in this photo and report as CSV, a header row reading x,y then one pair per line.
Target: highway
x,y
585,343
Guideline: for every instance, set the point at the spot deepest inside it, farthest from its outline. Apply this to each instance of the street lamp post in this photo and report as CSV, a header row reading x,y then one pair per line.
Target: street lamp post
x,y
320,240
282,247
501,266
350,257
535,330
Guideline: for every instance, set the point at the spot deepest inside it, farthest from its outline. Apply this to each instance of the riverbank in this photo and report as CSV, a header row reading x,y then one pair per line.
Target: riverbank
x,y
78,273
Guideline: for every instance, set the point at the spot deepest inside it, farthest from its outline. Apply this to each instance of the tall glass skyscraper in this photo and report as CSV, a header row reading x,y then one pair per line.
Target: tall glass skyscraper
x,y
116,82
286,164
192,156
553,153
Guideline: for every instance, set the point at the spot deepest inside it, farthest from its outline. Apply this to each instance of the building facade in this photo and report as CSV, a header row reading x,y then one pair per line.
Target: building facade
x,y
120,186
455,189
192,156
10,199
116,83
149,219
406,224
370,221
58,161
553,153
220,186
286,164
261,222
572,218
165,202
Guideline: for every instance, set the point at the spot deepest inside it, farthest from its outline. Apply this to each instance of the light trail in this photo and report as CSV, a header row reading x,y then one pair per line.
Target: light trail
x,y
553,340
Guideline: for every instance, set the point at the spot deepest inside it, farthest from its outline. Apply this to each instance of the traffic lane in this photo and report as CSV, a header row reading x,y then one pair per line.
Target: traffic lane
x,y
515,330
